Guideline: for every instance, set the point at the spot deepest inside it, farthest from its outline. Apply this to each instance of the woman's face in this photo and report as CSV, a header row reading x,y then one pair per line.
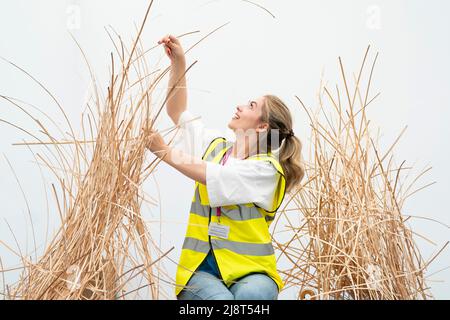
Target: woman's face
x,y
248,117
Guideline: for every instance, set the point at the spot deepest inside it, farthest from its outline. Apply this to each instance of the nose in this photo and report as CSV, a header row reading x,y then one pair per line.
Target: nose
x,y
238,108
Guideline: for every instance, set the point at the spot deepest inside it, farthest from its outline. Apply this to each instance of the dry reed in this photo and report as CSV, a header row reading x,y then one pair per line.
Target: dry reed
x,y
348,238
103,242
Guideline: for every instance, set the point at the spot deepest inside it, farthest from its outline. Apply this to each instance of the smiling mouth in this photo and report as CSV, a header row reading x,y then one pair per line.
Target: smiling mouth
x,y
235,116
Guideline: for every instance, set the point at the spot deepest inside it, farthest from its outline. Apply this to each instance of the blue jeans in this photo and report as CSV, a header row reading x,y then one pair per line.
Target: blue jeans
x,y
205,286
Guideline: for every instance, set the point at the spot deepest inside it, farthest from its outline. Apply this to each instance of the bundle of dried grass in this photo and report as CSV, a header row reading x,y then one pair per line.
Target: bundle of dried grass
x,y
352,241
103,241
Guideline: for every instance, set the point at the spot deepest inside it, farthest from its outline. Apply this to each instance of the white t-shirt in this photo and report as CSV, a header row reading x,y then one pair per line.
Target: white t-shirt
x,y
236,182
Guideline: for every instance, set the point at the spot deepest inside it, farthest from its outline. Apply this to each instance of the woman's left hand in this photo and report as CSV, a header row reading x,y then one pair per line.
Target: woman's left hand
x,y
156,143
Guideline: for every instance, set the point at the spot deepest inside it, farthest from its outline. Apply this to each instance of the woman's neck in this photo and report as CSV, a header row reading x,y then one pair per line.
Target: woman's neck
x,y
241,148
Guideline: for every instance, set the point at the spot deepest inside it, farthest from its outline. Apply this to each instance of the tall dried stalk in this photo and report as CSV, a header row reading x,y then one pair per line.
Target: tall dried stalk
x,y
352,241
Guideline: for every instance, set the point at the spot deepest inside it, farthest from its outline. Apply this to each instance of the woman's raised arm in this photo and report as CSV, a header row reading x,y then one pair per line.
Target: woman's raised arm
x,y
177,100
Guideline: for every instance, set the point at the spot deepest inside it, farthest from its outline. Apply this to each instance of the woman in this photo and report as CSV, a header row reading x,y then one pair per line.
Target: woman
x,y
227,253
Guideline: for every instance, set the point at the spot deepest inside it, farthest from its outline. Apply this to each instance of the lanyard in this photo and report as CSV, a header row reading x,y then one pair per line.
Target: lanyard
x,y
224,160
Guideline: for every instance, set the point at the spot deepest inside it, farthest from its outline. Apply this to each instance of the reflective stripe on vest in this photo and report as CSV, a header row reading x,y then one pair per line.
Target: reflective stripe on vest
x,y
252,249
248,248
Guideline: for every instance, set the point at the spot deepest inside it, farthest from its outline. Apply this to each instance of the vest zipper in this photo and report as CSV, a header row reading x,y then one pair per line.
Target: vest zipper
x,y
210,245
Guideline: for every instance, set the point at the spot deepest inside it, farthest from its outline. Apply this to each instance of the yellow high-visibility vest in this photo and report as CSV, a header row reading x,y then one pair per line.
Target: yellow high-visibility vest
x,y
248,248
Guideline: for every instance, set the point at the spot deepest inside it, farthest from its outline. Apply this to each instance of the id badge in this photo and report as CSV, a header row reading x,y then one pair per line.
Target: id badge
x,y
218,230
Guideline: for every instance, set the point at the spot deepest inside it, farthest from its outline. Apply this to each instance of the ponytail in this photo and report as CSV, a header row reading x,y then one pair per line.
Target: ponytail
x,y
278,116
290,160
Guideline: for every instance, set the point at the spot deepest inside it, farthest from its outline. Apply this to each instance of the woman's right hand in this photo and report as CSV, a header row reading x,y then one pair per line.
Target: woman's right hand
x,y
173,49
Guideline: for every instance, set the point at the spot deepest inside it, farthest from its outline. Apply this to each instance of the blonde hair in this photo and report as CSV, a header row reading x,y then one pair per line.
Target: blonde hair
x,y
277,115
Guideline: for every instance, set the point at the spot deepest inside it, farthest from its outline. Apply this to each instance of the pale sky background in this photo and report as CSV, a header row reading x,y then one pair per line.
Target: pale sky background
x,y
253,55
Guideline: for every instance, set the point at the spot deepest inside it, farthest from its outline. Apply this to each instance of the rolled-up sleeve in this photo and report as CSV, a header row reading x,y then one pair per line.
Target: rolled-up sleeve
x,y
240,182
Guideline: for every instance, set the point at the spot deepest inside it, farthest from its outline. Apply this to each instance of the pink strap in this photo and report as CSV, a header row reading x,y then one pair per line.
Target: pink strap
x,y
224,160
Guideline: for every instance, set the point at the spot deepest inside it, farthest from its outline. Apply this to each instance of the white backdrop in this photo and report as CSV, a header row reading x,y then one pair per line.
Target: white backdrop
x,y
253,55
